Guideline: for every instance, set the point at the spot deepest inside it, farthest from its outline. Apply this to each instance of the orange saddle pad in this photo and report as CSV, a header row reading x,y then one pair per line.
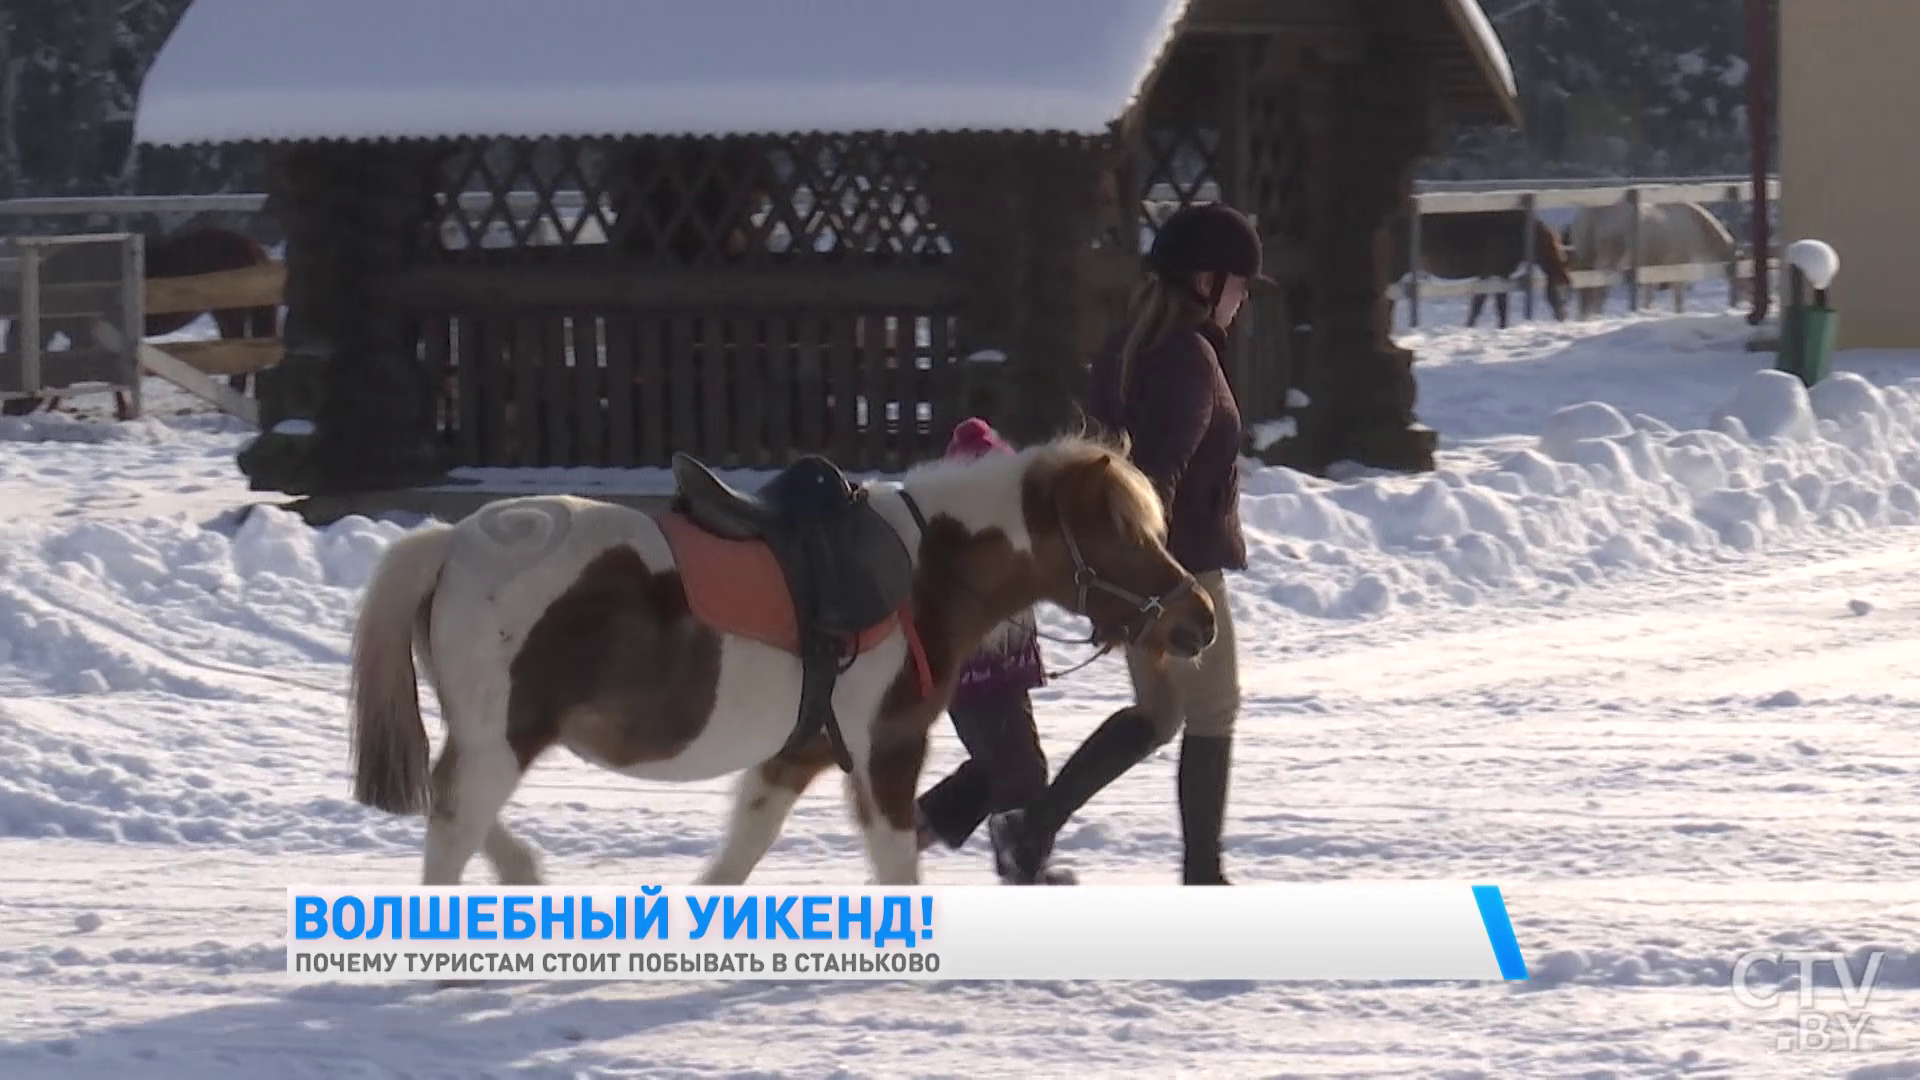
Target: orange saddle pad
x,y
737,587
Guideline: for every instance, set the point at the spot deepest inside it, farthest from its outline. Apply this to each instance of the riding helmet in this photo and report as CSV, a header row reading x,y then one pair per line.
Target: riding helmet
x,y
1207,238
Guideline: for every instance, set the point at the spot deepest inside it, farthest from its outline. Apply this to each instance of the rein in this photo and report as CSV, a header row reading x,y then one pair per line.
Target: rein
x,y
1085,579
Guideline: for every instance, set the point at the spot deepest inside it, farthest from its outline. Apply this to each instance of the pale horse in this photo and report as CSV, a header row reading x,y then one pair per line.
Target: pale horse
x,y
1671,234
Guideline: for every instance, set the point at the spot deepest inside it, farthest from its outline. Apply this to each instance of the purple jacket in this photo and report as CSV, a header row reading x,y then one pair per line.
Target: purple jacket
x,y
1009,661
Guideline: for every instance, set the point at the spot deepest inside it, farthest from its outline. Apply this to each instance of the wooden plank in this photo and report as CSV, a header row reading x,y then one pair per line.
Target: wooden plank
x,y
750,375
716,381
623,381
875,354
783,370
1578,279
528,393
942,386
436,355
252,286
228,356
132,319
745,288
228,399
809,385
589,389
559,398
29,331
909,388
683,384
844,384
1464,202
496,380
468,391
202,386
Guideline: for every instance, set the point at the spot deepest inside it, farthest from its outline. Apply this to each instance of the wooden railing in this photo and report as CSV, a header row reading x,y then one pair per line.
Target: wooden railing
x,y
1532,200
90,289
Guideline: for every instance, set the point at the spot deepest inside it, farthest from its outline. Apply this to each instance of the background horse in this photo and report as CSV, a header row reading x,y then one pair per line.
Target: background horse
x,y
1671,234
1484,244
200,249
558,621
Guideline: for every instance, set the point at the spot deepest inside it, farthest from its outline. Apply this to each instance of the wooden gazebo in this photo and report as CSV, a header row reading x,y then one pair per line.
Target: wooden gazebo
x,y
1312,115
597,233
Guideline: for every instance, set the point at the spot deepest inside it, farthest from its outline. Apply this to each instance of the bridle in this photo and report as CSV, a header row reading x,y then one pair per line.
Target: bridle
x,y
1147,610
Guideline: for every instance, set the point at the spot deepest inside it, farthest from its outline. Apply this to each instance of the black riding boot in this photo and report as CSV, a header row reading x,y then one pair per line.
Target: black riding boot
x,y
1204,764
1023,839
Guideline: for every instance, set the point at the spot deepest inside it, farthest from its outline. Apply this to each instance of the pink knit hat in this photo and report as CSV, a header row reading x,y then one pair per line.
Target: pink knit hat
x,y
974,437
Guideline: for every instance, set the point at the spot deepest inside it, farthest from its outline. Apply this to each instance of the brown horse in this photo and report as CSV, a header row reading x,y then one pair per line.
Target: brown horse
x,y
1485,244
663,647
203,249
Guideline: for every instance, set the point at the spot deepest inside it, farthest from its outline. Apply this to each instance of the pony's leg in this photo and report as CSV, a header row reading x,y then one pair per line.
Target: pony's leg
x,y
761,802
472,782
513,861
1500,305
884,804
1478,302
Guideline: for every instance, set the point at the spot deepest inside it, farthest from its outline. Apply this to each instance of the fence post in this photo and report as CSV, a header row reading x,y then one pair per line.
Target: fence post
x,y
1733,255
1633,249
1528,252
30,318
133,316
1413,263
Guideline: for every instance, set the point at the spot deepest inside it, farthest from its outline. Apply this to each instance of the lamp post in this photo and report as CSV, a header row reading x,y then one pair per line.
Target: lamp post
x,y
1808,327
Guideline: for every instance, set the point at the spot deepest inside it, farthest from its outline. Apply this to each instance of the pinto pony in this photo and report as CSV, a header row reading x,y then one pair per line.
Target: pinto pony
x,y
555,621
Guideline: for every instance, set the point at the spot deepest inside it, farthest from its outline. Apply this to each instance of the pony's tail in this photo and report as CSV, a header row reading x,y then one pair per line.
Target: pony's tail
x,y
390,768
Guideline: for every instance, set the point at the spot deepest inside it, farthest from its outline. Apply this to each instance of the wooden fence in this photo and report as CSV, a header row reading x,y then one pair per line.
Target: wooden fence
x,y
1531,201
92,290
513,379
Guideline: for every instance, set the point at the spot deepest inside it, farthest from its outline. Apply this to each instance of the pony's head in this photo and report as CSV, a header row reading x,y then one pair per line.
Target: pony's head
x,y
1098,531
1556,264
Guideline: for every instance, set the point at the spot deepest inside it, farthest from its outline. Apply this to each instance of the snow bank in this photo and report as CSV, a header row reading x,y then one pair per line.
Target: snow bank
x,y
240,627
134,653
1598,494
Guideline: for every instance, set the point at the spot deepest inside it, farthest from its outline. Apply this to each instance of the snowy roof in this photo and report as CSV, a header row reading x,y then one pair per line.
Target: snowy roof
x,y
290,70
1488,52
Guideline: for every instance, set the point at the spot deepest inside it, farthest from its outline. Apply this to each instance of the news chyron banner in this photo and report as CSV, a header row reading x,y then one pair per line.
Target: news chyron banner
x,y
1362,931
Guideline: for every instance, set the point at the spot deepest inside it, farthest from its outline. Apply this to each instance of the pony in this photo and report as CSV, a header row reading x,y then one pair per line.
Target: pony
x,y
1484,244
202,249
1671,234
556,621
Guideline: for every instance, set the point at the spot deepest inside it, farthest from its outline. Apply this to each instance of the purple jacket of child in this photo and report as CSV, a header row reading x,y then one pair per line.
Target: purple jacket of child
x,y
1010,658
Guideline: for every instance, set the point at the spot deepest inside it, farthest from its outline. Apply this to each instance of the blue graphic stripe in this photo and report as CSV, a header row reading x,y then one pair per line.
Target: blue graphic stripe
x,y
1506,947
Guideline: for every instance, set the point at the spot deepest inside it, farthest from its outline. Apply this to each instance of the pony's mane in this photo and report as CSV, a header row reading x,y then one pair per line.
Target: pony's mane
x,y
1136,505
1137,509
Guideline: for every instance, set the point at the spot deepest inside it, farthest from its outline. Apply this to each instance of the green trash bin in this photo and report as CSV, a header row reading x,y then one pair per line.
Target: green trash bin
x,y
1808,327
1807,335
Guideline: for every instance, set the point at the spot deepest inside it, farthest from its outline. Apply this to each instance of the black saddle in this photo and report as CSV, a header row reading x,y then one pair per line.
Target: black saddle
x,y
845,566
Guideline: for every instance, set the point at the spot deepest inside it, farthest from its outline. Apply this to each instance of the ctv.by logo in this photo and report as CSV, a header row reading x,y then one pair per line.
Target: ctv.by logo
x,y
1815,1028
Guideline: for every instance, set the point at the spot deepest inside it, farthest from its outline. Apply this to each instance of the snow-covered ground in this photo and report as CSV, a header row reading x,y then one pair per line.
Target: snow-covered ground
x,y
1649,665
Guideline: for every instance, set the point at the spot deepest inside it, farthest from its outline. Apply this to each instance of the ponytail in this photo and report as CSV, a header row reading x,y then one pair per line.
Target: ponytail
x,y
1158,307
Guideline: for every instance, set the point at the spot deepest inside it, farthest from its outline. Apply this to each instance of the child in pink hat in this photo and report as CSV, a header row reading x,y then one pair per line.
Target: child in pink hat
x,y
992,713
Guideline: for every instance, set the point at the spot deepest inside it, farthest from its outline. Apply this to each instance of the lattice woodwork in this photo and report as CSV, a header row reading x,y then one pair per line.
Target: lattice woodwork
x,y
686,201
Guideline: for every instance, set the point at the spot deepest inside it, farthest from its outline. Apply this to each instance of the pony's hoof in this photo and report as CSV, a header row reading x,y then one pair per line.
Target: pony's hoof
x,y
1058,875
